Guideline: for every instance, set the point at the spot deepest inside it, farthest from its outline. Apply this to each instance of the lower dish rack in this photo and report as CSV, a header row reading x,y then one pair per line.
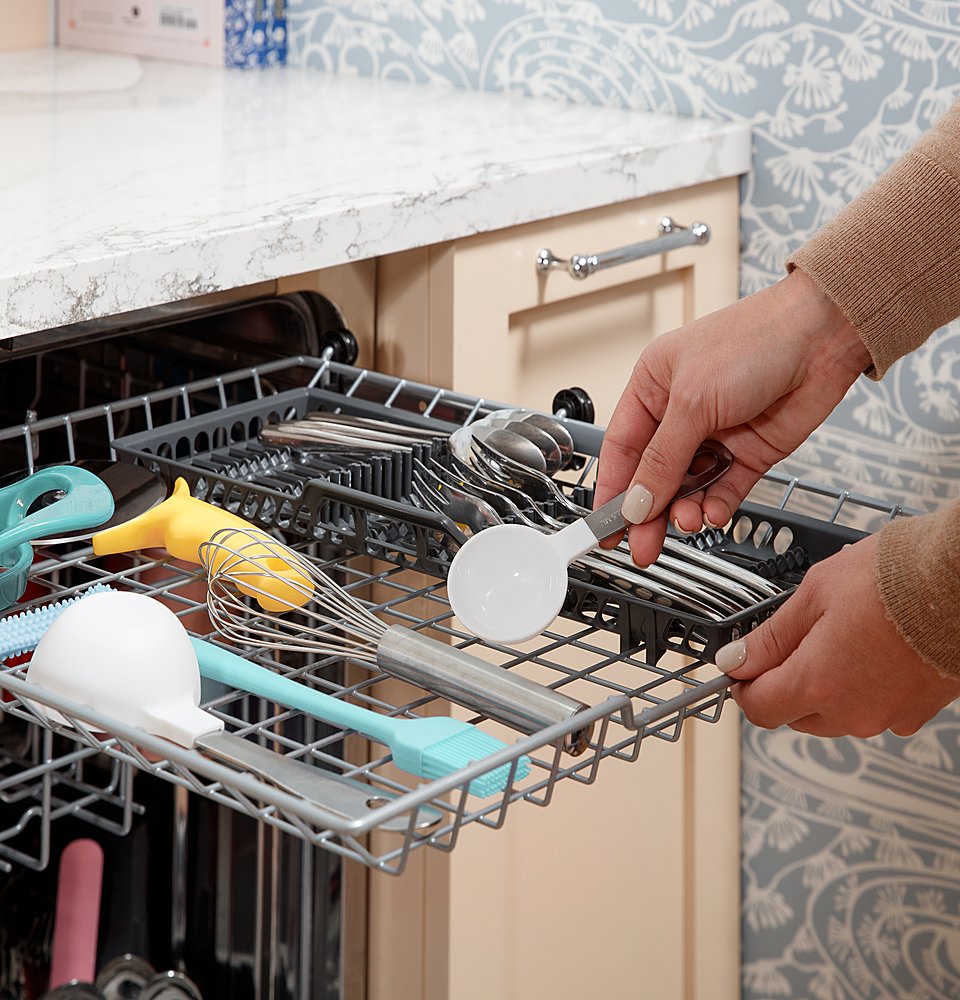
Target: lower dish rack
x,y
608,652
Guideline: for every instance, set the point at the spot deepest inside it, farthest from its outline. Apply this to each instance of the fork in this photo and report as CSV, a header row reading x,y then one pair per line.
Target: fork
x,y
742,586
475,513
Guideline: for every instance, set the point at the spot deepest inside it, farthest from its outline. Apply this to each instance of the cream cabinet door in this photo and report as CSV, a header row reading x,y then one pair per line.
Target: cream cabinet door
x,y
628,887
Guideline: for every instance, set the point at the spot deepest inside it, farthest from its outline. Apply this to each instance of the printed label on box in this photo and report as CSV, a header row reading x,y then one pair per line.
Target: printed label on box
x,y
213,32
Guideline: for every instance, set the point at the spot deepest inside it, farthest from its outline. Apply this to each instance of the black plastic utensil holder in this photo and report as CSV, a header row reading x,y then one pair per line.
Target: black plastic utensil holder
x,y
219,456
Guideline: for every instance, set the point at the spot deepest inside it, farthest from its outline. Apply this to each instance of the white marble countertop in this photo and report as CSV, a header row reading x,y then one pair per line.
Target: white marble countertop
x,y
127,183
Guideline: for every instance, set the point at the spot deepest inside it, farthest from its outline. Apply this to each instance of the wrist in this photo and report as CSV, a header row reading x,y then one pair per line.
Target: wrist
x,y
824,327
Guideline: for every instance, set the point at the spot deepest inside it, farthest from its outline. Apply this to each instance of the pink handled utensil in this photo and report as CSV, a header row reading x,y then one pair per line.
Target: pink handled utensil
x,y
77,915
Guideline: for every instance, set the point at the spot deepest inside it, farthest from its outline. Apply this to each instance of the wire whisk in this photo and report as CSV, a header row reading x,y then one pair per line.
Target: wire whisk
x,y
337,623
326,619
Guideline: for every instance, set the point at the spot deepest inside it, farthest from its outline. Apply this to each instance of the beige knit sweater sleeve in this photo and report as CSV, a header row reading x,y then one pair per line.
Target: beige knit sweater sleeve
x,y
891,263
891,260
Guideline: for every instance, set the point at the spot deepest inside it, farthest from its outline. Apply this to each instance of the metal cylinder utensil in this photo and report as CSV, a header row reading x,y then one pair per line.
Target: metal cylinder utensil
x,y
480,686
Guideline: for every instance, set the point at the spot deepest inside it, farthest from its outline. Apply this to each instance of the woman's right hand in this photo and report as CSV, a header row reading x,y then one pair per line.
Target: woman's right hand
x,y
759,376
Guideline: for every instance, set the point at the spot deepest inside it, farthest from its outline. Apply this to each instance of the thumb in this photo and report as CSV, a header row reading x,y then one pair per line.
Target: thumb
x,y
772,642
663,463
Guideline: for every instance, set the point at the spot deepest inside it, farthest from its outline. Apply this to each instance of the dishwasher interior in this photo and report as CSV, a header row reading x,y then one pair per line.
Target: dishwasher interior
x,y
252,886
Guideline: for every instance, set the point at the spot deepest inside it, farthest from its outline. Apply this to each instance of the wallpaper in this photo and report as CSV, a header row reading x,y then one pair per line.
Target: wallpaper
x,y
851,848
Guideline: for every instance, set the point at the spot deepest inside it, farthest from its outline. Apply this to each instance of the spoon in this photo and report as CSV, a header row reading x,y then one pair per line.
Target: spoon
x,y
552,456
652,584
551,425
479,508
513,447
508,583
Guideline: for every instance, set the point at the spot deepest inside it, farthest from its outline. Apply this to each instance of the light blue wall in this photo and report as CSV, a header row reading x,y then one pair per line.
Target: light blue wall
x,y
851,848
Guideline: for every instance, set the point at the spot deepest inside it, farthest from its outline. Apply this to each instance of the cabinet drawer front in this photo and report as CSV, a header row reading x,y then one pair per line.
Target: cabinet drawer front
x,y
524,334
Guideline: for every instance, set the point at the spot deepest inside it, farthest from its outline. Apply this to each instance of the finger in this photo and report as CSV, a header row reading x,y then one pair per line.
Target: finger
x,y
665,460
646,540
686,515
781,664
724,497
776,698
612,541
735,691
627,434
772,642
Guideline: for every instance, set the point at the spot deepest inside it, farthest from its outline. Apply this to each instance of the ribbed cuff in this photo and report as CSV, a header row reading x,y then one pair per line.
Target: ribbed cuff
x,y
918,575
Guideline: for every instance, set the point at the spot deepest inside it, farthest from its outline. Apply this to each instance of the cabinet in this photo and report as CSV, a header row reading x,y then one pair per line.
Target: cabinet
x,y
628,887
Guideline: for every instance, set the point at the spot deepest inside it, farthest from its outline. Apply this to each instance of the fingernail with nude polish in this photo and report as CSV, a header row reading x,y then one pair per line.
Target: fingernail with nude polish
x,y
731,656
709,523
637,504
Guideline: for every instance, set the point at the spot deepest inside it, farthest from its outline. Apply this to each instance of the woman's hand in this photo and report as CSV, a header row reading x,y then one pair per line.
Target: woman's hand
x,y
758,376
830,663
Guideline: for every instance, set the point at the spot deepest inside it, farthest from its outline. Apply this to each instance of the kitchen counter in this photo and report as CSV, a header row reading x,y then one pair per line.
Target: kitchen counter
x,y
128,183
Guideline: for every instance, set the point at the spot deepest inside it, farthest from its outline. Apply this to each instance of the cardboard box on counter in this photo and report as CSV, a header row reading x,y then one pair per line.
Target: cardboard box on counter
x,y
212,32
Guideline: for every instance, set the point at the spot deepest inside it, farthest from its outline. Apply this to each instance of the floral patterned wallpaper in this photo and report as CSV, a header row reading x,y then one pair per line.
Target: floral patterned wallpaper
x,y
851,848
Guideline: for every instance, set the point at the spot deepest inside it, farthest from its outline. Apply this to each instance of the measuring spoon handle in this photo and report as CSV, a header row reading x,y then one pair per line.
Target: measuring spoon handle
x,y
709,463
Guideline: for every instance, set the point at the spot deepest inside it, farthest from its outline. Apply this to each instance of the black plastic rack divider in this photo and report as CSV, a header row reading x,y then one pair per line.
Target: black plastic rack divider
x,y
219,454
222,460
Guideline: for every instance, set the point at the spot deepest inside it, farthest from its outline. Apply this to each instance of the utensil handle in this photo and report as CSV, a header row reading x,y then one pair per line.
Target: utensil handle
x,y
220,664
350,799
699,476
87,502
183,523
608,519
482,687
77,916
576,539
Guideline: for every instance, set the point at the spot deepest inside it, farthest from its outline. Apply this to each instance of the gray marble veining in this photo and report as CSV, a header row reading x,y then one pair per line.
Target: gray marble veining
x,y
130,183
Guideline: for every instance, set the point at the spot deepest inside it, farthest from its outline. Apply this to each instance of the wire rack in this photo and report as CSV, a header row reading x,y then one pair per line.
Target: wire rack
x,y
88,768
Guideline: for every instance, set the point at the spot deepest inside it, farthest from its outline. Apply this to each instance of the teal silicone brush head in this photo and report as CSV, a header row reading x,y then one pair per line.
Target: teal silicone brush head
x,y
438,746
22,632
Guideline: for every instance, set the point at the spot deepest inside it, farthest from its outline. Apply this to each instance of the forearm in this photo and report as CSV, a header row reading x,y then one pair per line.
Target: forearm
x,y
918,576
890,261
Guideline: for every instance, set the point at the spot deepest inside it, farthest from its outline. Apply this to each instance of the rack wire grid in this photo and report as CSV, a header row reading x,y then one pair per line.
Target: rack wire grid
x,y
86,766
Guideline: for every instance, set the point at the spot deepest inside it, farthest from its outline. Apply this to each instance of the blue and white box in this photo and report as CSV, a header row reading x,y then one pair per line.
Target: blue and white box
x,y
246,33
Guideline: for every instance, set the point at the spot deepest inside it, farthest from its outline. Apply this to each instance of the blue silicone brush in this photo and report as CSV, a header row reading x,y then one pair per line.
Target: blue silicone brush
x,y
430,748
20,633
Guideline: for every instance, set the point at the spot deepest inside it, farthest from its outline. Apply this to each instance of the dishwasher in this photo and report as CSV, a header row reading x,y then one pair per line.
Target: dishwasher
x,y
218,880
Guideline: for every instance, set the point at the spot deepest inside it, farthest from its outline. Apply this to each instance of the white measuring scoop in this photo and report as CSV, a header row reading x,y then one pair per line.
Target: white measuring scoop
x,y
508,582
128,656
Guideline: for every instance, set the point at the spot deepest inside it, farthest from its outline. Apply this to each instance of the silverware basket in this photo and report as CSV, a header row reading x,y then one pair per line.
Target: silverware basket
x,y
220,455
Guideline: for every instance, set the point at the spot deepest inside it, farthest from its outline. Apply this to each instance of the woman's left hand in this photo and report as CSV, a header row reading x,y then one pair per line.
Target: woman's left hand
x,y
829,661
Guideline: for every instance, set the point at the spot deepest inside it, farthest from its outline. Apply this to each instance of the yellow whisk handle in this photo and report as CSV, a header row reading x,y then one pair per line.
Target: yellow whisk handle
x,y
182,523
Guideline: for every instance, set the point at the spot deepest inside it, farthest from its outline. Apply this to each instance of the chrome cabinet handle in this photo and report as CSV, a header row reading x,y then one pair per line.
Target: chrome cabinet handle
x,y
672,237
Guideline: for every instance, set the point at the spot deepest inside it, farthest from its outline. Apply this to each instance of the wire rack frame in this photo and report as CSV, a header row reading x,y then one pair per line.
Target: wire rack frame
x,y
56,783
163,406
630,699
621,726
